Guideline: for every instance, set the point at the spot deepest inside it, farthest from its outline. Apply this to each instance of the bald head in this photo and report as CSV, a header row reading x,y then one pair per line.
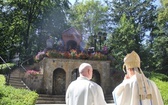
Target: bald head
x,y
85,69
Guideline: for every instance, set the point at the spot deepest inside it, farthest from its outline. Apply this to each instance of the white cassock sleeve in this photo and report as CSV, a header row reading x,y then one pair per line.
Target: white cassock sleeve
x,y
67,97
117,94
98,95
122,94
156,96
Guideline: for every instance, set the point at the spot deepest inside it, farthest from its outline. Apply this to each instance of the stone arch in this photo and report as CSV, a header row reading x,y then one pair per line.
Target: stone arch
x,y
75,74
59,77
96,77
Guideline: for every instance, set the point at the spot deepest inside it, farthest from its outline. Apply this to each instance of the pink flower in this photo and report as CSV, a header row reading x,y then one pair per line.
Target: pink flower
x,y
33,72
40,55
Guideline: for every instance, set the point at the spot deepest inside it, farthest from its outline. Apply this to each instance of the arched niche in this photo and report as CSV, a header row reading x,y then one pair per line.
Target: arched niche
x,y
71,44
75,74
59,83
95,78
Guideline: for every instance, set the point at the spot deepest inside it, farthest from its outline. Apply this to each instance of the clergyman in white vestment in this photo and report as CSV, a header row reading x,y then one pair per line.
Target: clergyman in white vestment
x,y
82,91
136,89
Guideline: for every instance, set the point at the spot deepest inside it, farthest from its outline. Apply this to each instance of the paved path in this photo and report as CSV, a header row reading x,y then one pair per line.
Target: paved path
x,y
64,104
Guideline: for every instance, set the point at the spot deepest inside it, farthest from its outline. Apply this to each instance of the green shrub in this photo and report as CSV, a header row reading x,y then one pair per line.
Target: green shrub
x,y
161,82
12,96
2,80
163,87
4,69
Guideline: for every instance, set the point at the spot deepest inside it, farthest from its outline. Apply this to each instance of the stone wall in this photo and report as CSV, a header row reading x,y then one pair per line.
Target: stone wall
x,y
50,64
34,82
43,82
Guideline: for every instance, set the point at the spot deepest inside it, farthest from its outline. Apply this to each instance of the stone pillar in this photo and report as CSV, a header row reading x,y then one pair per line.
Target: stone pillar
x,y
68,78
105,77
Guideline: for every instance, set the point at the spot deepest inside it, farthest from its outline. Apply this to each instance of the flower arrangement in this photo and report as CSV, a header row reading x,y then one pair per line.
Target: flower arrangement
x,y
98,56
83,56
40,56
66,55
33,72
54,54
72,54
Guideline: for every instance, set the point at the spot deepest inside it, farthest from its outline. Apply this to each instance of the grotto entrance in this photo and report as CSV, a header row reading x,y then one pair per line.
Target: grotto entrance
x,y
59,82
71,45
95,78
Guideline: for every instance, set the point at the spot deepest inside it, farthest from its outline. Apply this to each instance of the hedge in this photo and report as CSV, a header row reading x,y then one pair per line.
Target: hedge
x,y
161,81
2,80
4,69
12,96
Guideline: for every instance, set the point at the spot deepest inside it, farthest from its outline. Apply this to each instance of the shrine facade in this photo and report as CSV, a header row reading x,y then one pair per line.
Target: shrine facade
x,y
57,74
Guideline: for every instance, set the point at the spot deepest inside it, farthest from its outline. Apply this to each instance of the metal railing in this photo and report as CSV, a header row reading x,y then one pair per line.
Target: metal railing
x,y
21,65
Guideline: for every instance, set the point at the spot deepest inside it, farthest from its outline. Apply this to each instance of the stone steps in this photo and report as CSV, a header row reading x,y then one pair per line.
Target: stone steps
x,y
16,81
109,99
60,99
50,99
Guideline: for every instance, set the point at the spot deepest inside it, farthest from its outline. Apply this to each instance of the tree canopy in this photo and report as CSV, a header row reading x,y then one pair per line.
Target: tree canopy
x,y
26,24
130,25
